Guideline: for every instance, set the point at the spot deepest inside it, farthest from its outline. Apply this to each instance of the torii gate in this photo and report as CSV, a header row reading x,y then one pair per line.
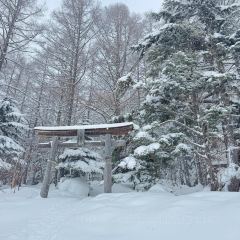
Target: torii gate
x,y
108,130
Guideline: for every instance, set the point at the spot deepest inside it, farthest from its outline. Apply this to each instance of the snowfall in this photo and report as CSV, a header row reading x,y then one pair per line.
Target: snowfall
x,y
68,214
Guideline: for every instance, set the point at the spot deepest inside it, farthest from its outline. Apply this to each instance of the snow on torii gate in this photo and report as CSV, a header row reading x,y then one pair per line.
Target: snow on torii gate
x,y
109,130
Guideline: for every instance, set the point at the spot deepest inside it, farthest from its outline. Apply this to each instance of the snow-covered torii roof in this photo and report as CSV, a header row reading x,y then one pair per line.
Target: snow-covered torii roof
x,y
116,129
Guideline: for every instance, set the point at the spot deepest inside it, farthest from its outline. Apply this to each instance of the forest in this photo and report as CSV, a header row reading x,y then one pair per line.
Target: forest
x,y
119,125
173,73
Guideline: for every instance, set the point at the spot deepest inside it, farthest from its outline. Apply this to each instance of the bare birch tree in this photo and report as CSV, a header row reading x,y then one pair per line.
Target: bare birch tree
x,y
18,26
67,42
118,31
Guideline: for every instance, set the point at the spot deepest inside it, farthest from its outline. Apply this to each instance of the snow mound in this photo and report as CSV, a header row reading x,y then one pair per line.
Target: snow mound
x,y
184,189
97,189
74,186
205,215
176,190
157,188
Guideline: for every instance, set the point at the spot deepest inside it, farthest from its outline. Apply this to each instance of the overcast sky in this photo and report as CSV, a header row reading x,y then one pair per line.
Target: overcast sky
x,y
138,6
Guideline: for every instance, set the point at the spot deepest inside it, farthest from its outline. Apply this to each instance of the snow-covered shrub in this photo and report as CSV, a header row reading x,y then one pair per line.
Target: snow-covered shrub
x,y
229,178
125,171
80,162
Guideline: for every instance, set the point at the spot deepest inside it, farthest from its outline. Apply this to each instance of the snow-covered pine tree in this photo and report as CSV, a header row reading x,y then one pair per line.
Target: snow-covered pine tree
x,y
12,130
188,86
82,162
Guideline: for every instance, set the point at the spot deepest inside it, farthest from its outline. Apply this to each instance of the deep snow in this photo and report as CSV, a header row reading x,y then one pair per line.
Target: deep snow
x,y
151,215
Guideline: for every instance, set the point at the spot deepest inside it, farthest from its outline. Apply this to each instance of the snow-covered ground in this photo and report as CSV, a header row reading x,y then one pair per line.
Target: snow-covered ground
x,y
119,216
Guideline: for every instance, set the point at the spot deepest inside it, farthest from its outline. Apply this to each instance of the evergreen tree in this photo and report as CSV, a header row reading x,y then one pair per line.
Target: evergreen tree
x,y
80,162
12,129
188,109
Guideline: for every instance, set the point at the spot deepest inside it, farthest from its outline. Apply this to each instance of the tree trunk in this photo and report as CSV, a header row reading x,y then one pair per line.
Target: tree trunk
x,y
10,31
210,174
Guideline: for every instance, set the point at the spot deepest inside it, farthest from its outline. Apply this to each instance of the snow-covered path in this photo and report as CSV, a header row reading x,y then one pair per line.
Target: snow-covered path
x,y
130,216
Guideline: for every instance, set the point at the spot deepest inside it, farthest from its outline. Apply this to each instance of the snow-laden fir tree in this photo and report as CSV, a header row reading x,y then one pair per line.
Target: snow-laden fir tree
x,y
81,162
12,130
189,111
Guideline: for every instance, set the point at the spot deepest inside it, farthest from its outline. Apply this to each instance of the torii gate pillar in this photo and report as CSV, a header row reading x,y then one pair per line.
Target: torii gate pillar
x,y
108,164
48,171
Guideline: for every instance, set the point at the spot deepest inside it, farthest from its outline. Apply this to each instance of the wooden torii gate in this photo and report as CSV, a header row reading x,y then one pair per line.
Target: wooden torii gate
x,y
82,132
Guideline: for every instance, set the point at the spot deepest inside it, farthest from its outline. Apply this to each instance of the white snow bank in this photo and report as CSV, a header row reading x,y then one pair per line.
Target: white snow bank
x,y
157,188
97,189
183,189
122,216
74,186
176,190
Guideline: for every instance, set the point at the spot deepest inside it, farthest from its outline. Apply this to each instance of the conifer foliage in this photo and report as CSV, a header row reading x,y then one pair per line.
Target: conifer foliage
x,y
189,117
12,130
80,162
